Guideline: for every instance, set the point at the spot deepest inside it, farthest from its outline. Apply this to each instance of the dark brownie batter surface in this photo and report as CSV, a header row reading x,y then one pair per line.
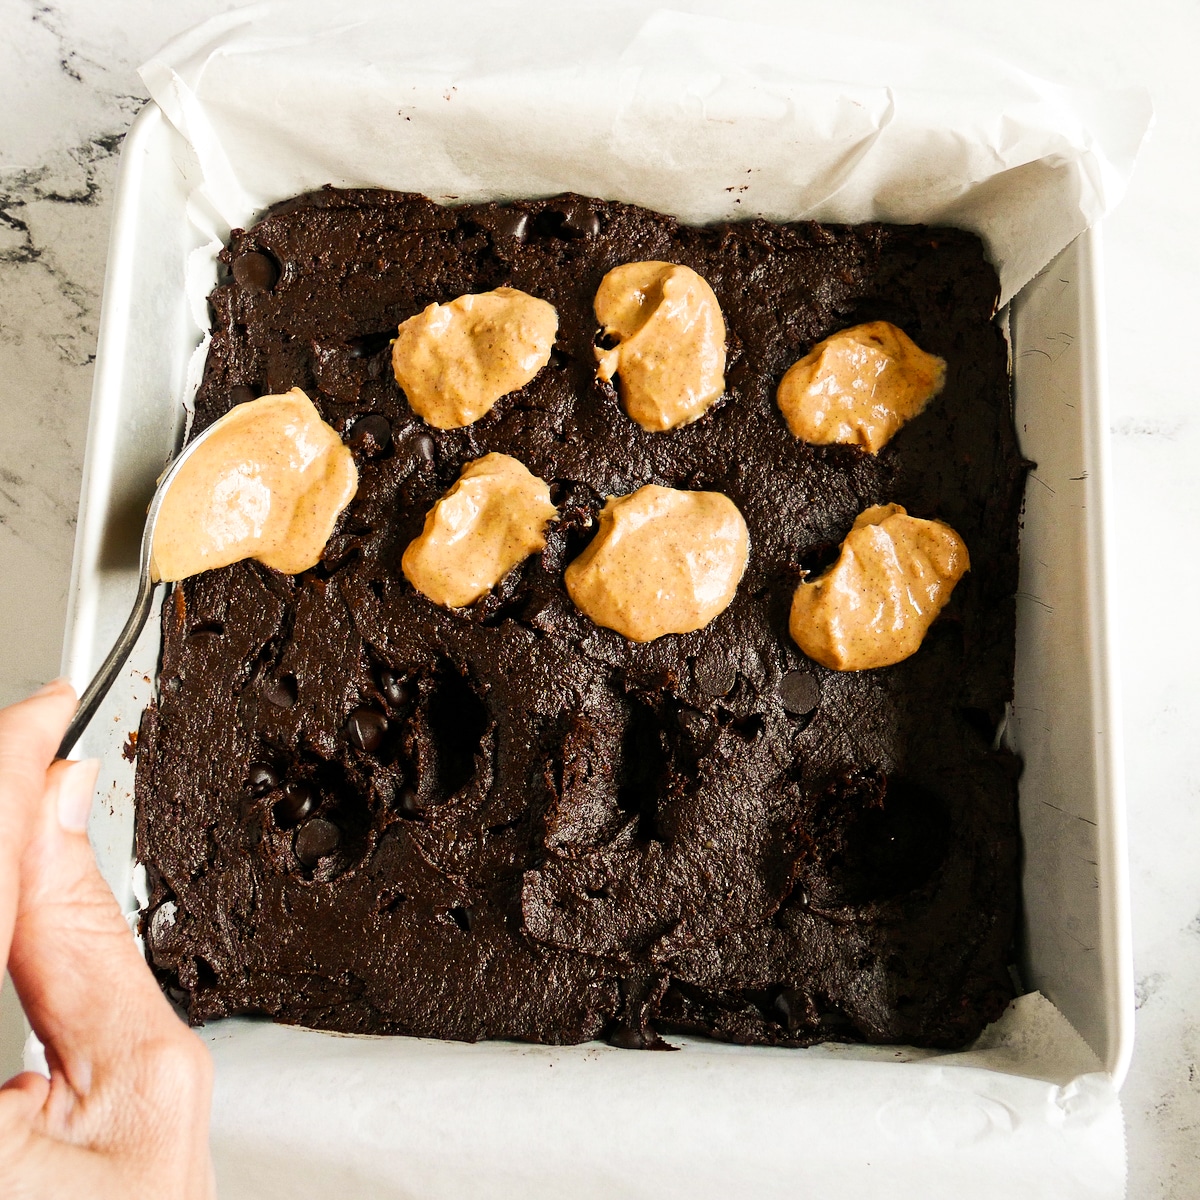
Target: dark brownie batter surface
x,y
362,812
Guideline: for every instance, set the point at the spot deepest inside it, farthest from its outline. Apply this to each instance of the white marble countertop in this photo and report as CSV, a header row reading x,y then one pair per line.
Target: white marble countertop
x,y
68,92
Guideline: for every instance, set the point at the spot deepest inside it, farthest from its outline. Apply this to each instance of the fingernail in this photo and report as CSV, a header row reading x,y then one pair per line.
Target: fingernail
x,y
75,792
55,685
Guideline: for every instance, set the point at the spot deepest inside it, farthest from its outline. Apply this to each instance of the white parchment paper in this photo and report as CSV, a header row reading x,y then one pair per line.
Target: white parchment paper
x,y
696,114
1027,1115
707,116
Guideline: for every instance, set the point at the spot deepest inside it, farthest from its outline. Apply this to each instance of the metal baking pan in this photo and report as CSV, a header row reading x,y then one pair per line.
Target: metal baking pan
x,y
1064,723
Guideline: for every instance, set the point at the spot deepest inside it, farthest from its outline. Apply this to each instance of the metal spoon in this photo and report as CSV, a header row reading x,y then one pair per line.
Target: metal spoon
x,y
103,680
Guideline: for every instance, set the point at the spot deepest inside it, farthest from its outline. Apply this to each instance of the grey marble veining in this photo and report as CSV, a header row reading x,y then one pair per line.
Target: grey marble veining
x,y
68,92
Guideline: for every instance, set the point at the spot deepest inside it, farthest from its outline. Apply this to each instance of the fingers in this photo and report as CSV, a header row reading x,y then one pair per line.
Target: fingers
x,y
84,985
29,735
31,731
128,1079
29,1165
126,1109
33,1167
24,1094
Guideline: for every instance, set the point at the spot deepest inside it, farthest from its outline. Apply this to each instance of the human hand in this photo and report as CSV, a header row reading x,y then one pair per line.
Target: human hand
x,y
125,1111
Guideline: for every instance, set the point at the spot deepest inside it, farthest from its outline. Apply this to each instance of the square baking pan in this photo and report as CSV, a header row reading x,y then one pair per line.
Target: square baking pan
x,y
1064,723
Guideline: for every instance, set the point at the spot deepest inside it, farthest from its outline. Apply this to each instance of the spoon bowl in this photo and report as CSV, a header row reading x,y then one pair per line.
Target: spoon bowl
x,y
102,681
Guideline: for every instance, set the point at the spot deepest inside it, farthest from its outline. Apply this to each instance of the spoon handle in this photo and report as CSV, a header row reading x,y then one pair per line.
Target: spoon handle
x,y
98,688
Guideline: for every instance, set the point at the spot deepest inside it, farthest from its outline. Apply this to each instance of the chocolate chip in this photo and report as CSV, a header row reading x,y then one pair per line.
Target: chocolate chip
x,y
365,728
242,393
297,803
371,435
785,1009
261,778
280,692
255,272
627,1039
834,1021
421,447
203,635
407,802
795,1009
395,691
511,222
580,221
315,839
715,676
462,918
799,692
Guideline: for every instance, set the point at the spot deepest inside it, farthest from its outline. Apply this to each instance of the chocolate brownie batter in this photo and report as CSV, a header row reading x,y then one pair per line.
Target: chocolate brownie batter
x,y
361,811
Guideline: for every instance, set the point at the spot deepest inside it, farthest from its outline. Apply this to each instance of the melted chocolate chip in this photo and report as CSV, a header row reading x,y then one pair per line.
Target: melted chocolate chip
x,y
365,728
580,221
298,802
799,692
462,918
835,1022
715,676
627,1039
281,692
261,778
203,635
370,436
395,691
795,1009
511,223
315,839
407,803
255,272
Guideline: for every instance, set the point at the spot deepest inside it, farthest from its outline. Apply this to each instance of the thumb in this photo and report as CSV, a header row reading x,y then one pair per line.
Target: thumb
x,y
85,987
29,734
